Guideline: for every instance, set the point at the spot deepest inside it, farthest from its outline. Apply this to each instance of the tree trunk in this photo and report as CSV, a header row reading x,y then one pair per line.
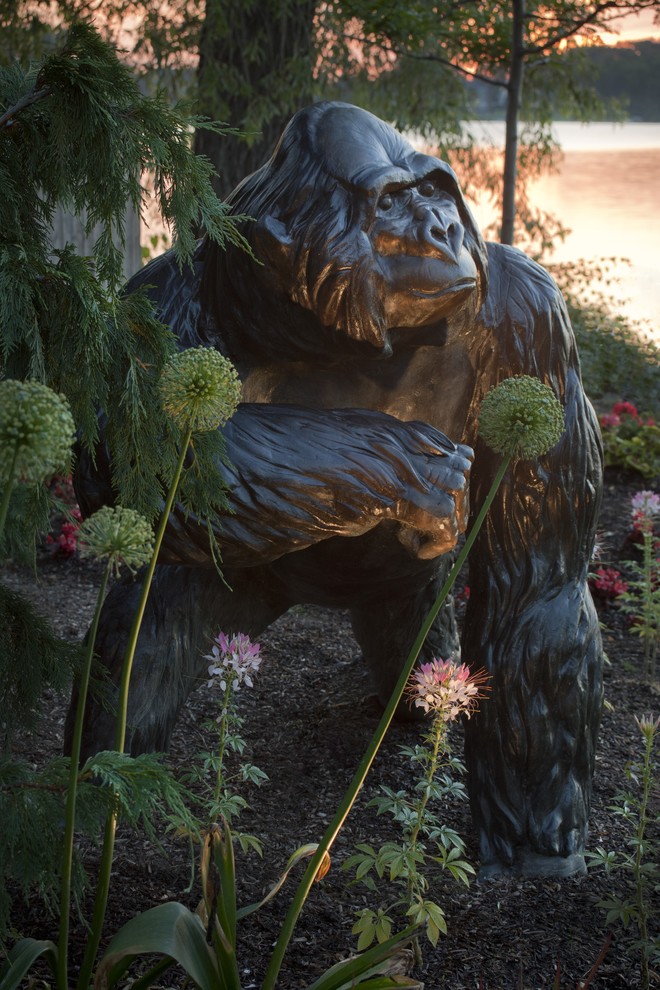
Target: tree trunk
x,y
255,71
514,97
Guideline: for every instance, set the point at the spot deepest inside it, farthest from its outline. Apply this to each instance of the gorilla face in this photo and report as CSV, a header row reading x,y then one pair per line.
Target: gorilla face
x,y
356,227
418,239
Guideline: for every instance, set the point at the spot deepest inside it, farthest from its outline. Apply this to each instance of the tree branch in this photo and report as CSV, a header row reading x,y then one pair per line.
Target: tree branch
x,y
6,119
430,57
614,6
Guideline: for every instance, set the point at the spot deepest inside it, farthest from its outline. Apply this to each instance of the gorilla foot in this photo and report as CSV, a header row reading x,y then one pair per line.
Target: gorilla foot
x,y
531,864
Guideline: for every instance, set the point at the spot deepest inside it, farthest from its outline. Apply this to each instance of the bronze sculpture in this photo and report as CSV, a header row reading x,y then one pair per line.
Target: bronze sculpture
x,y
375,326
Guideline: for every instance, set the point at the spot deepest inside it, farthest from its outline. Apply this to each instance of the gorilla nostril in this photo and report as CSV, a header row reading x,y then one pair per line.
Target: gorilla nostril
x,y
441,232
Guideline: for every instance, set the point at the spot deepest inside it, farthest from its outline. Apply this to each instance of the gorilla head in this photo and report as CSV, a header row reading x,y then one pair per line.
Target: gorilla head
x,y
357,228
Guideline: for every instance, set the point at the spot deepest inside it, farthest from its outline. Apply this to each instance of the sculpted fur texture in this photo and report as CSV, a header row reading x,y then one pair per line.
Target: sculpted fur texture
x,y
366,334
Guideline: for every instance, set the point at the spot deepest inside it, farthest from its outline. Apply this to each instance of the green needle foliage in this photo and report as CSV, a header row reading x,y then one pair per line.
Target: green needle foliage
x,y
76,131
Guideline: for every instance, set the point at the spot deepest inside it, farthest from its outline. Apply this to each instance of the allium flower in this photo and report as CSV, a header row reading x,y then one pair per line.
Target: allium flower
x,y
36,428
200,389
446,688
233,661
521,417
121,536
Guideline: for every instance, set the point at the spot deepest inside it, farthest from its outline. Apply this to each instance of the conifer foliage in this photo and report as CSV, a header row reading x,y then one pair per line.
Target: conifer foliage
x,y
76,131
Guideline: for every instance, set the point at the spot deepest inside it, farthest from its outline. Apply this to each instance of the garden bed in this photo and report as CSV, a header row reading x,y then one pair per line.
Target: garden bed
x,y
307,721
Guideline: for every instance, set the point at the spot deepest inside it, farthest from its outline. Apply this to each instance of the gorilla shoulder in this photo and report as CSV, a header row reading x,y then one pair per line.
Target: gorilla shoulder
x,y
521,292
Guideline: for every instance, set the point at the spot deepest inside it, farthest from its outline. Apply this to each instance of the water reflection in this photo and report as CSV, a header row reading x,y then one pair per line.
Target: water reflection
x,y
608,193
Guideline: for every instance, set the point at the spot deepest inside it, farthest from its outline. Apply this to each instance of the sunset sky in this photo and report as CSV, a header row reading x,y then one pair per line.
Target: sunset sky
x,y
634,26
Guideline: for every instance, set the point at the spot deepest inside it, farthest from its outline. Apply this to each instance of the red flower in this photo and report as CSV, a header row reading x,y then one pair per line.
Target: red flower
x,y
625,409
607,583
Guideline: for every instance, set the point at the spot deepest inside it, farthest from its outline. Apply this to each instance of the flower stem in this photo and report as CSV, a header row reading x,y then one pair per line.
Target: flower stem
x,y
105,868
72,791
9,487
650,619
223,738
356,783
638,871
413,886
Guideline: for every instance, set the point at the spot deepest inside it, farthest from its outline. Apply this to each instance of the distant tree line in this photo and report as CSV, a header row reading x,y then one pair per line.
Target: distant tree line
x,y
626,78
629,73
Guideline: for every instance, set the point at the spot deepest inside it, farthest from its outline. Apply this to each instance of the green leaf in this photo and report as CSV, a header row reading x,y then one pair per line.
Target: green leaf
x,y
170,930
21,958
352,972
301,853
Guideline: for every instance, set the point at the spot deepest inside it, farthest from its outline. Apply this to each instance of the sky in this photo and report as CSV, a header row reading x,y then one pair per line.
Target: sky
x,y
633,27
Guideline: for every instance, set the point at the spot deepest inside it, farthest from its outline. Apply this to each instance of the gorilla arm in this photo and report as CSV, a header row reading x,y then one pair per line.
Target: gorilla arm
x,y
298,475
530,618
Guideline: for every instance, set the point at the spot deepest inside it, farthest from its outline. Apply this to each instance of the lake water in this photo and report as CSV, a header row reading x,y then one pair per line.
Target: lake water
x,y
608,193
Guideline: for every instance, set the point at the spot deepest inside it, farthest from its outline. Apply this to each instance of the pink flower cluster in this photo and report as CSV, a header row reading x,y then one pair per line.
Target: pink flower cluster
x,y
614,419
607,583
446,688
234,661
645,507
65,543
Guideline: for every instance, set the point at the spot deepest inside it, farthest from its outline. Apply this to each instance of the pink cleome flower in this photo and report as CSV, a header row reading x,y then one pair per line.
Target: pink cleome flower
x,y
446,688
645,507
234,660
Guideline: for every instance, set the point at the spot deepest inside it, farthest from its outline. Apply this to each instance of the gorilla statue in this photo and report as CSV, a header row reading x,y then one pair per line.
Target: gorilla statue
x,y
366,333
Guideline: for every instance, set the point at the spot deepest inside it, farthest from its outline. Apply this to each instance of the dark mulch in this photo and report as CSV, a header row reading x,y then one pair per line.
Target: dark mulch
x,y
307,722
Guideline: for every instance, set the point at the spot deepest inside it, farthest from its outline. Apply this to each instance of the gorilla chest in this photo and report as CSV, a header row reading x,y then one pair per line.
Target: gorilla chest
x,y
432,384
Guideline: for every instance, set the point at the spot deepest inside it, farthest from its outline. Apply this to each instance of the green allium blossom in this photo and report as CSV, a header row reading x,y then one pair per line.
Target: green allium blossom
x,y
521,417
118,535
36,431
200,389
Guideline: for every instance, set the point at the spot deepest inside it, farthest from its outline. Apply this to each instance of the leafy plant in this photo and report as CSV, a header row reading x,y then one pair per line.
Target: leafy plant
x,y
445,690
631,441
233,662
617,358
203,943
200,390
641,599
640,858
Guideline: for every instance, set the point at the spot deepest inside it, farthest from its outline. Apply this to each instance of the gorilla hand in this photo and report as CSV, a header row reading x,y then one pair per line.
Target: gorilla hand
x,y
297,476
435,510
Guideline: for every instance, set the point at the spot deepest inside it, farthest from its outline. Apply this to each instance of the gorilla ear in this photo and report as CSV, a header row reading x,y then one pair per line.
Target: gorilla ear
x,y
275,247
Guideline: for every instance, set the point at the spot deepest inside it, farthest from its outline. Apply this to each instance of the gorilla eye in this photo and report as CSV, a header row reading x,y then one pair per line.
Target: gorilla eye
x,y
385,202
427,188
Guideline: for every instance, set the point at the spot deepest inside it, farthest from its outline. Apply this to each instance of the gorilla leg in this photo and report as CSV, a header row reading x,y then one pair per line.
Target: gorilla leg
x,y
530,750
185,609
386,630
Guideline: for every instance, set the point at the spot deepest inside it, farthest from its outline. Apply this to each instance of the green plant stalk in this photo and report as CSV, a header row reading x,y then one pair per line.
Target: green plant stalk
x,y
9,487
356,783
72,792
221,746
105,867
412,887
638,873
650,632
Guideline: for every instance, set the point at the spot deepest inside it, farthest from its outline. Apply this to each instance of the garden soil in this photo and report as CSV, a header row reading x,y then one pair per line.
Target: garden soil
x,y
307,722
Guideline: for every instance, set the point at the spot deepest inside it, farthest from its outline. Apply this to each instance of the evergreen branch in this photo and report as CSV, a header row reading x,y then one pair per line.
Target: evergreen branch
x,y
7,118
